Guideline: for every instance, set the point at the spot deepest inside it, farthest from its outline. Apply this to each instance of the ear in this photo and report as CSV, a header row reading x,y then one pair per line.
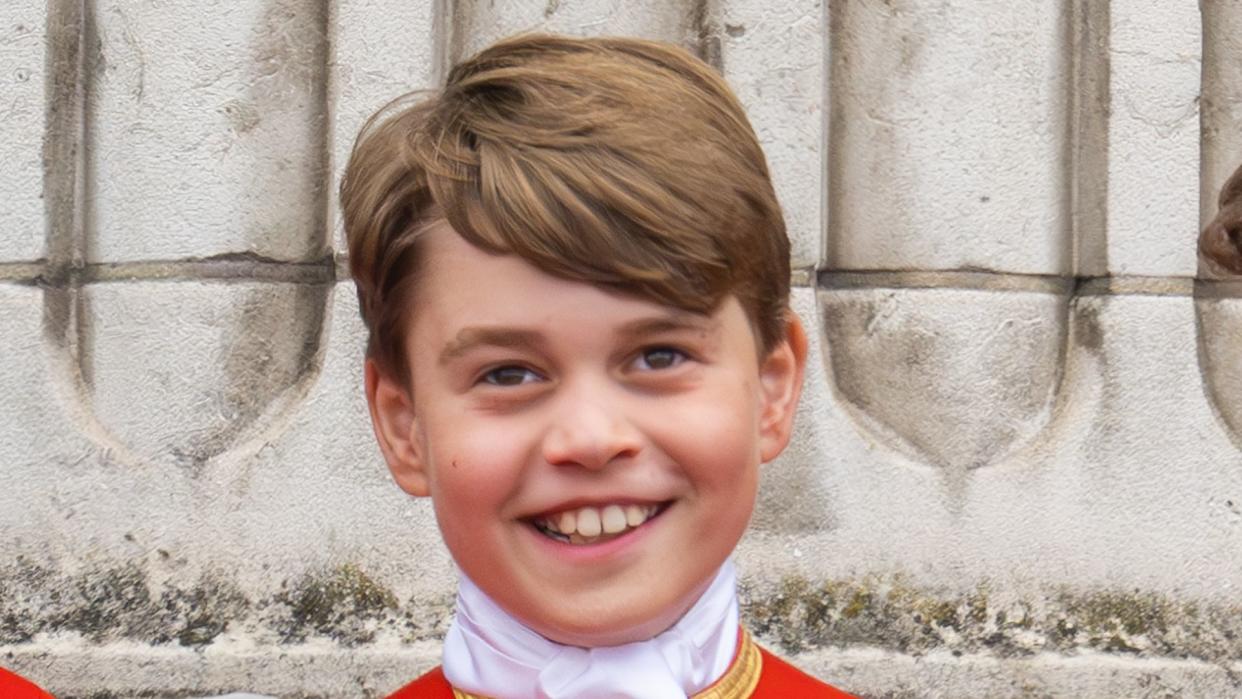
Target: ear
x,y
392,417
780,377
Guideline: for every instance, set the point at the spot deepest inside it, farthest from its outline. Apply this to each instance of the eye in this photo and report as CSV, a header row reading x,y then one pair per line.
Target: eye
x,y
510,376
656,358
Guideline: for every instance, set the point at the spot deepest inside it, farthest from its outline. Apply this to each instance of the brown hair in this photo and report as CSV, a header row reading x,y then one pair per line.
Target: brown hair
x,y
1221,241
619,162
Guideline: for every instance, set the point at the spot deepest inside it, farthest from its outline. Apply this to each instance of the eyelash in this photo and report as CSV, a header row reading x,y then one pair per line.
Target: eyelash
x,y
488,376
491,376
679,356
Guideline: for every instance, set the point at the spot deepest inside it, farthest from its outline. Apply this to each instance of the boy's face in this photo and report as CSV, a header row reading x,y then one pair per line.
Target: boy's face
x,y
544,414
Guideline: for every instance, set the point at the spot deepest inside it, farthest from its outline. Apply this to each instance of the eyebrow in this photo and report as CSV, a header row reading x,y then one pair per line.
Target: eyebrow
x,y
473,337
674,322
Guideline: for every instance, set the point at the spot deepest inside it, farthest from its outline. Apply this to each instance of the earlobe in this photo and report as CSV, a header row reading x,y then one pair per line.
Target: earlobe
x,y
392,417
780,376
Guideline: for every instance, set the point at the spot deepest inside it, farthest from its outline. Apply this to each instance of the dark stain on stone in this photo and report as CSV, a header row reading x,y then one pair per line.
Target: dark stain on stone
x,y
1087,331
735,30
275,351
118,602
288,84
199,614
242,115
341,603
348,606
892,614
706,35
113,603
63,88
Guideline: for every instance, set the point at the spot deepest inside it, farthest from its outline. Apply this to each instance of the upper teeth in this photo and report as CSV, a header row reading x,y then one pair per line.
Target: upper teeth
x,y
593,521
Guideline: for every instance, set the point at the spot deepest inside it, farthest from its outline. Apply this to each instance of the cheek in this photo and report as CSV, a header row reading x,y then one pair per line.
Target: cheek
x,y
474,471
715,444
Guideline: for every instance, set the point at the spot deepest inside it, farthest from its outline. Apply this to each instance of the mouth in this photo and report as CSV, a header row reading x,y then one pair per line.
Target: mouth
x,y
595,524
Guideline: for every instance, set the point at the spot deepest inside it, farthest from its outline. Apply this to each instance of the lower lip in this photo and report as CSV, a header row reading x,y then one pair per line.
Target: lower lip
x,y
601,550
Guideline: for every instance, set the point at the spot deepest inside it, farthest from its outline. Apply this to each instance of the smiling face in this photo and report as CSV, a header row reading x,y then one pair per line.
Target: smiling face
x,y
592,458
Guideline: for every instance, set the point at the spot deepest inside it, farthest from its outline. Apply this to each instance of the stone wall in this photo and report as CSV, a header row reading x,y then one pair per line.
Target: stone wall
x,y
1016,471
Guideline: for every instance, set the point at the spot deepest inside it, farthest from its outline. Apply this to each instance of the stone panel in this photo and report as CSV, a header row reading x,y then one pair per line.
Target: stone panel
x,y
210,141
381,49
184,372
772,54
23,123
948,136
1155,51
951,378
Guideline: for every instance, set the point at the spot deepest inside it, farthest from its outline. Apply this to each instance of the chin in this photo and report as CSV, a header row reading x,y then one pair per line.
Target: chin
x,y
599,636
596,628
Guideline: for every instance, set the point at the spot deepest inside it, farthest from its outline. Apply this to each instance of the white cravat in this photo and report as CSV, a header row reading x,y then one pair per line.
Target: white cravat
x,y
490,653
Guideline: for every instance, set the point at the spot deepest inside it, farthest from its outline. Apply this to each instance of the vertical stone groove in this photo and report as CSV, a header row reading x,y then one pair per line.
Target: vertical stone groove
x,y
443,39
1221,107
834,74
62,140
706,34
326,14
1087,29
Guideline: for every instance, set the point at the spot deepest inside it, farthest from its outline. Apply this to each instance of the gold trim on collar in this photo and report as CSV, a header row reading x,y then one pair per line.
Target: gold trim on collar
x,y
738,682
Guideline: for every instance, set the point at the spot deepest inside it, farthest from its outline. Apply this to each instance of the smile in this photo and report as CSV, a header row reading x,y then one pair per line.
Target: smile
x,y
591,525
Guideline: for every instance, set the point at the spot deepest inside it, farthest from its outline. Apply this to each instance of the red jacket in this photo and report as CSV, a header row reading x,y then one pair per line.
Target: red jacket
x,y
777,680
14,687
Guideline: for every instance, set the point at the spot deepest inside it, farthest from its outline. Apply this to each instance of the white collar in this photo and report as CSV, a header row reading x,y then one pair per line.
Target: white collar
x,y
488,652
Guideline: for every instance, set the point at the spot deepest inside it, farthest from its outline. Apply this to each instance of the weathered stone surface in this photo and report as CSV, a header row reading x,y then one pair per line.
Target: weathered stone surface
x,y
772,54
1132,445
23,71
184,372
795,494
33,430
880,675
1222,100
951,378
1155,51
380,49
274,533
477,23
1219,327
79,672
948,136
206,142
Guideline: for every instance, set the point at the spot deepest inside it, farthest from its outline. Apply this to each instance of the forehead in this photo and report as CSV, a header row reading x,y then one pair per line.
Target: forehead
x,y
461,281
460,287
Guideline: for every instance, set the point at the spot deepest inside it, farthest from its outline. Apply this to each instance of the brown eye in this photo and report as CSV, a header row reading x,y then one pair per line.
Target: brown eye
x,y
661,358
510,376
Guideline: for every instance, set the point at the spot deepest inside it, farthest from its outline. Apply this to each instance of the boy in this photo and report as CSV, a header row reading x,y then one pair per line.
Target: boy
x,y
575,275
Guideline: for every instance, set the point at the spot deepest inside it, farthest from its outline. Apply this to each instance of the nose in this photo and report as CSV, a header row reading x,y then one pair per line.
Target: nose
x,y
590,431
